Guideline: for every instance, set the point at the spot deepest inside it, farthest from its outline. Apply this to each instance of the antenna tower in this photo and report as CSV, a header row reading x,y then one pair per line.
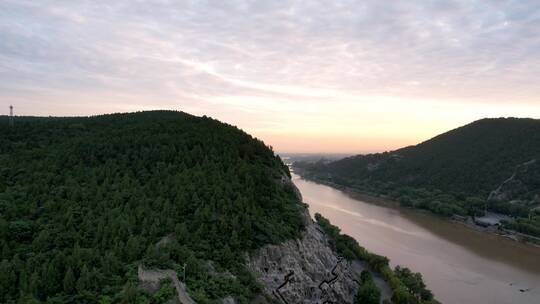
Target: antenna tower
x,y
11,115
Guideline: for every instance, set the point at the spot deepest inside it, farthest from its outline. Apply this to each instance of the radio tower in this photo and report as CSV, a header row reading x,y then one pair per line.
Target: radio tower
x,y
11,115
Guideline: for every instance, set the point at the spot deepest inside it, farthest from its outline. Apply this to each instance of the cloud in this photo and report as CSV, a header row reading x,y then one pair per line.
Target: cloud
x,y
269,54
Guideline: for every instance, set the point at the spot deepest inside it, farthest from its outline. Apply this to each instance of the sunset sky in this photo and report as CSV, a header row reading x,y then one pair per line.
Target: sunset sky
x,y
304,76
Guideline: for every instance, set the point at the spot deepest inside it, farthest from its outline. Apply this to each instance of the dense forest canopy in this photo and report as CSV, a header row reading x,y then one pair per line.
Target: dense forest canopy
x,y
84,200
453,173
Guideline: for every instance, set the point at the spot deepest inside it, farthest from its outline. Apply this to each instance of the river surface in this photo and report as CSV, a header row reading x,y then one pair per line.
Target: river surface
x,y
460,265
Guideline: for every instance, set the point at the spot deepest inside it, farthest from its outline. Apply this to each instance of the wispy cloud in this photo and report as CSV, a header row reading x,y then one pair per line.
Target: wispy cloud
x,y
328,61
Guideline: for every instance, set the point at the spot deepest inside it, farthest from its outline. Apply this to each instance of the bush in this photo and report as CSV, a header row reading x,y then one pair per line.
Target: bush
x,y
368,293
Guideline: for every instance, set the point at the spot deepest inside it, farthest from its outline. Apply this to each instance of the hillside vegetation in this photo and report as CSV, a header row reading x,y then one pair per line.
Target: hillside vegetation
x,y
83,201
453,173
407,287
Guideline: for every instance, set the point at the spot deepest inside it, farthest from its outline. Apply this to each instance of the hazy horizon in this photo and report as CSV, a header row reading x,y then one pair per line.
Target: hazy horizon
x,y
318,76
299,152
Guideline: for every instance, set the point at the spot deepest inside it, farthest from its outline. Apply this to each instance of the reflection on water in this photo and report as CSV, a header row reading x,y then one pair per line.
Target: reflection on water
x,y
459,265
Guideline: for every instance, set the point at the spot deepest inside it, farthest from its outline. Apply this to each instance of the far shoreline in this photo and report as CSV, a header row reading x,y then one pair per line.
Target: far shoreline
x,y
372,198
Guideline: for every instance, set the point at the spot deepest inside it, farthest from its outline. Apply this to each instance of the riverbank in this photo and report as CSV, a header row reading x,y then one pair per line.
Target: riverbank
x,y
466,221
497,230
459,264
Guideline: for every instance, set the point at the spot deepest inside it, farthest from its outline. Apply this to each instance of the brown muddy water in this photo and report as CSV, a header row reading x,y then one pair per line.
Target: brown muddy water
x,y
460,265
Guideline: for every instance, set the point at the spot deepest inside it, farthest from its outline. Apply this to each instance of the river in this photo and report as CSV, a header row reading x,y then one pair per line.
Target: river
x,y
460,265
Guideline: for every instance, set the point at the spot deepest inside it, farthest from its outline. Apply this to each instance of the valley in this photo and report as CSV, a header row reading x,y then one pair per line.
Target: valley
x,y
459,264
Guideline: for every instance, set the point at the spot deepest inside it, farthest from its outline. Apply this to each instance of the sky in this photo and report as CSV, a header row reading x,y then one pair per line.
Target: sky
x,y
304,76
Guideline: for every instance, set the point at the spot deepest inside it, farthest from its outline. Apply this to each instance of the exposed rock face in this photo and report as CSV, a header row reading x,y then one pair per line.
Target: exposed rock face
x,y
522,187
151,279
305,270
228,300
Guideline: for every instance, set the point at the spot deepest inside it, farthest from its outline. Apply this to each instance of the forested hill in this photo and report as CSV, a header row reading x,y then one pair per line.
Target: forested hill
x,y
448,174
83,201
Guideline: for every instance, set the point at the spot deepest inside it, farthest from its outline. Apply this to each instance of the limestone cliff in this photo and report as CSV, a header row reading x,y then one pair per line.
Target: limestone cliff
x,y
307,270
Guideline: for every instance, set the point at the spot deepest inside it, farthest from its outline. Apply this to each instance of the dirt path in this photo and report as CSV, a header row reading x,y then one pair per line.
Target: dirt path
x,y
154,276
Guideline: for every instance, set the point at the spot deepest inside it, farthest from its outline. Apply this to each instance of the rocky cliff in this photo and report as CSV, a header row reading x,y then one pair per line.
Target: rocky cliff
x,y
307,270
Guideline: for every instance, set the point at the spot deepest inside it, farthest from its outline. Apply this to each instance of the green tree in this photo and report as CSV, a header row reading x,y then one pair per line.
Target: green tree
x,y
84,280
475,206
8,280
129,293
69,281
368,293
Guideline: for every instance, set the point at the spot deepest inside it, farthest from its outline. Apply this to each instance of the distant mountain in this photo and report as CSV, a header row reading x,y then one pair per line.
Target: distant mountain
x,y
452,173
100,209
290,158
